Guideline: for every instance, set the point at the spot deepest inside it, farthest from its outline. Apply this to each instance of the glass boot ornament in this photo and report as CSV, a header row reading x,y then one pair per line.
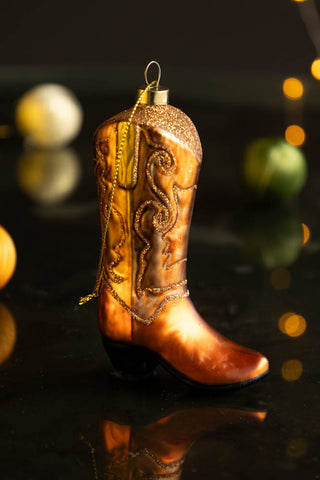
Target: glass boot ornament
x,y
147,161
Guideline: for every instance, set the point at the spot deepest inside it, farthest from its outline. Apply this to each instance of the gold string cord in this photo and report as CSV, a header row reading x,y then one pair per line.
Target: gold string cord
x,y
93,457
95,291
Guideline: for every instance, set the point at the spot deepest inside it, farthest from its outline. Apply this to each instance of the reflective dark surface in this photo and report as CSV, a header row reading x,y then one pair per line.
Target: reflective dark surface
x,y
247,268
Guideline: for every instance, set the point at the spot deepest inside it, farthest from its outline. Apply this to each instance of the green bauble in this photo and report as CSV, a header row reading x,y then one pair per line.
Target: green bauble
x,y
271,238
273,169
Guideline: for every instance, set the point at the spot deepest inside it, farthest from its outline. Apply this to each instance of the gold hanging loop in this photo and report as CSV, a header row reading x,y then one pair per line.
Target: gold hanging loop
x,y
96,289
153,62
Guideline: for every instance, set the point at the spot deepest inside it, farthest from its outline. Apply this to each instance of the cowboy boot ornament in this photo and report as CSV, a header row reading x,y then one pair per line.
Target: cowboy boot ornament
x,y
147,162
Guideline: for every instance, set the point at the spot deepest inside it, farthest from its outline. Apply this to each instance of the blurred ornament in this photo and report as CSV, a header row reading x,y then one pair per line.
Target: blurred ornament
x,y
8,333
273,169
49,116
48,176
272,238
8,257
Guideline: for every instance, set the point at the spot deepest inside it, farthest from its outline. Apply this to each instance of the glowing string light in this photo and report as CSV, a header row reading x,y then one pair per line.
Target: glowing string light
x,y
292,88
295,135
292,324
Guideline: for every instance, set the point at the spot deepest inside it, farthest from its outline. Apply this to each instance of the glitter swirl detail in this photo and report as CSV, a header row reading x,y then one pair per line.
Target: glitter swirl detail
x,y
164,218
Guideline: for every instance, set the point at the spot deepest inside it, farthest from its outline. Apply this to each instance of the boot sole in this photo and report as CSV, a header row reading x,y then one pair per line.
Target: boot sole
x,y
138,363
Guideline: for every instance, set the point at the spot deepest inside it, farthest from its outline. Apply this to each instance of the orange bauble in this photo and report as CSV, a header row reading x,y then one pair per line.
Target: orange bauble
x,y
8,257
8,333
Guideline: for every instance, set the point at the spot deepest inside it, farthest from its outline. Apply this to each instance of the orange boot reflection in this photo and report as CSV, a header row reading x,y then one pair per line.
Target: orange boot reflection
x,y
158,450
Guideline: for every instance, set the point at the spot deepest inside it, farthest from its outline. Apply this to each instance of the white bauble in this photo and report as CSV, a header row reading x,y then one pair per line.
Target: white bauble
x,y
49,176
49,116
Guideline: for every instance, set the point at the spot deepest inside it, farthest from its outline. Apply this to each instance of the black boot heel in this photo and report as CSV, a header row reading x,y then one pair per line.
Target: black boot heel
x,y
131,362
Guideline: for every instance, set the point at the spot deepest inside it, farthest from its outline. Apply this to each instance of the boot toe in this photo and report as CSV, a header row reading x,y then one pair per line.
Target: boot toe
x,y
262,366
257,367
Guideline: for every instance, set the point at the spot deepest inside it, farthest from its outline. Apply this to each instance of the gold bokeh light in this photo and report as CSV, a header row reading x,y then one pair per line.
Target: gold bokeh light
x,y
295,135
306,233
291,370
292,324
280,278
315,68
292,88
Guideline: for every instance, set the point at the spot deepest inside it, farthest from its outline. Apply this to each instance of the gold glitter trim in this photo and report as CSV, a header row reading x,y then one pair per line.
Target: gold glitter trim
x,y
159,476
149,453
100,169
159,290
167,118
165,251
116,248
129,166
145,452
144,321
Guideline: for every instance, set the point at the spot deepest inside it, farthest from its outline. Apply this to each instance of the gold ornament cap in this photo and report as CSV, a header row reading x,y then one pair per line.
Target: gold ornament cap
x,y
155,95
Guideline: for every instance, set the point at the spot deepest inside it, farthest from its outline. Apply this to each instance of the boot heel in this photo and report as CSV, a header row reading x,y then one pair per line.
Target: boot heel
x,y
129,361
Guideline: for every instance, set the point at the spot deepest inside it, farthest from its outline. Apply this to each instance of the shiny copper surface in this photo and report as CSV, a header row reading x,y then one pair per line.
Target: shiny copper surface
x,y
158,450
143,299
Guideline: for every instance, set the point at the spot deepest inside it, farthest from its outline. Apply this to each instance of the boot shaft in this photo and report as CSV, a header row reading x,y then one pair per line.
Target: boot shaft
x,y
144,264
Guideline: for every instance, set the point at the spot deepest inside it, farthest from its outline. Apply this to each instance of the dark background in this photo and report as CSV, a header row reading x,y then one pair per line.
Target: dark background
x,y
227,53
268,36
224,62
